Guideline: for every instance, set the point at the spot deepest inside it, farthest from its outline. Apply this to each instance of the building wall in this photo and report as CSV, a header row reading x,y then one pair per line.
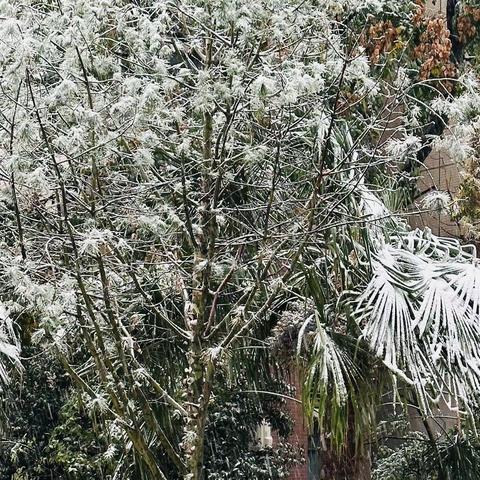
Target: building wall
x,y
440,172
436,6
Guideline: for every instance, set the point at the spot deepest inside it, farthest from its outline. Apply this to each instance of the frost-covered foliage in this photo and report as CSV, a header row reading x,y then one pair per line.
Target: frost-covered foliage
x,y
437,201
420,314
54,431
231,452
9,345
177,174
406,455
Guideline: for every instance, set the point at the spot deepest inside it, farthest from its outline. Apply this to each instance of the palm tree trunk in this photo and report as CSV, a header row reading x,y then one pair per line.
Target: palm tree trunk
x,y
353,462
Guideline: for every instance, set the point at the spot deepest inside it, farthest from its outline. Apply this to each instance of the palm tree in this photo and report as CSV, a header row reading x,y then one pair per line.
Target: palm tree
x,y
407,320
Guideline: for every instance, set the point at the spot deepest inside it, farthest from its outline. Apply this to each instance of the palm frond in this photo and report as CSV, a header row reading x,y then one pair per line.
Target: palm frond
x,y
9,345
420,314
335,390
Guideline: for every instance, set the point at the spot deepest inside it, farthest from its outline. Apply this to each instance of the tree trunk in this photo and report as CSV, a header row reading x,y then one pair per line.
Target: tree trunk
x,y
202,366
348,465
195,465
353,462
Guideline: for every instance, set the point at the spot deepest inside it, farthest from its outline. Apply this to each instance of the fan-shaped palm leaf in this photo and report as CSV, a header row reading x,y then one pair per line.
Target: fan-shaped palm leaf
x,y
420,315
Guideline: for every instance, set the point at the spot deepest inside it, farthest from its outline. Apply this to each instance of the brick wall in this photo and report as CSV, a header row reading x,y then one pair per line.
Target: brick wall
x,y
300,434
440,172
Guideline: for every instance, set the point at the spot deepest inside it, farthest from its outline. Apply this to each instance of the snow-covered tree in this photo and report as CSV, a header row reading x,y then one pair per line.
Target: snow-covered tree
x,y
183,181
